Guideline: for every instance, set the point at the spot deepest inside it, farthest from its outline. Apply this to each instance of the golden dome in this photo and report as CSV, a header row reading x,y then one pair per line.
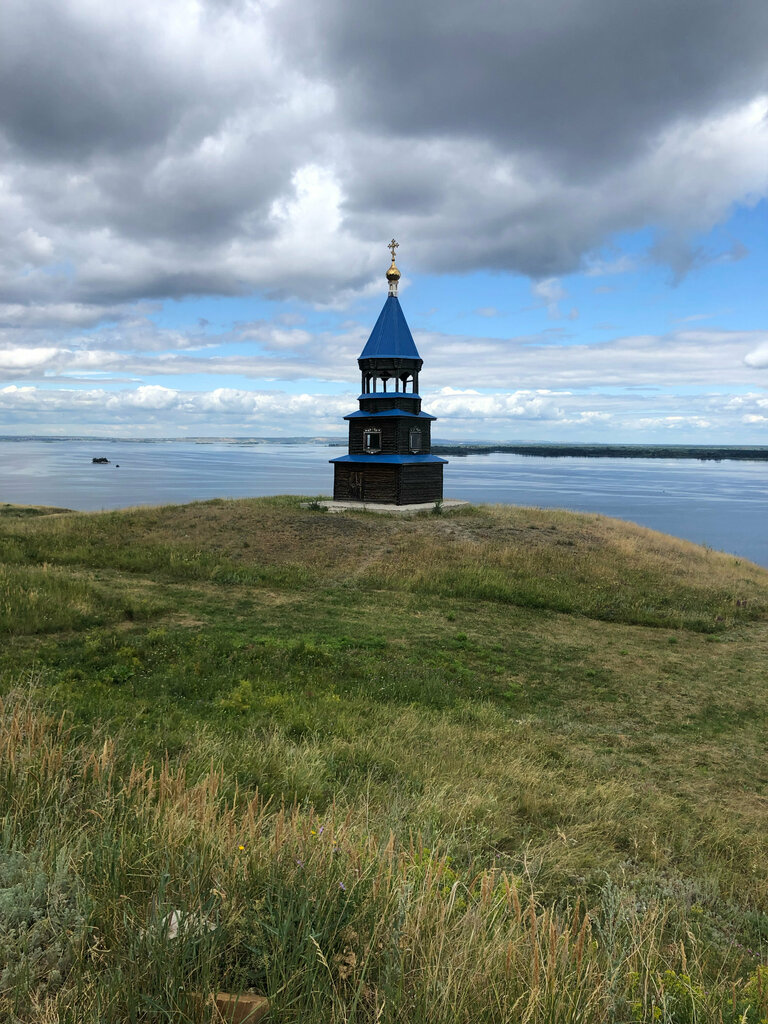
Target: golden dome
x,y
393,274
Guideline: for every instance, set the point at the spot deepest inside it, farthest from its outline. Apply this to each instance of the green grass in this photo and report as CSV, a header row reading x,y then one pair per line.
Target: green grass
x,y
28,511
530,746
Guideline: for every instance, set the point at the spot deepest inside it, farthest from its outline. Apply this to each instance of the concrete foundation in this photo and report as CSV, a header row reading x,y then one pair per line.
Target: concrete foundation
x,y
447,505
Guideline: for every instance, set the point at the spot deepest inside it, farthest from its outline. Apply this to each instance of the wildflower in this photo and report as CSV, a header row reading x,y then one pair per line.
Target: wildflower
x,y
342,887
300,863
313,832
241,847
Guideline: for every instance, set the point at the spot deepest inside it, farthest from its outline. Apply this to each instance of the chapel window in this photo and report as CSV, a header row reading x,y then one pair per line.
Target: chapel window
x,y
372,440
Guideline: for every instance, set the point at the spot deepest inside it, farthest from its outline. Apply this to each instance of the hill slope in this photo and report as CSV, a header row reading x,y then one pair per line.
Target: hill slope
x,y
498,705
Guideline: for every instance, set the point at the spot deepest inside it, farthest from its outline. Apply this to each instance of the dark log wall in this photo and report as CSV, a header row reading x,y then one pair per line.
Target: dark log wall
x,y
395,435
404,428
390,400
379,483
420,483
392,485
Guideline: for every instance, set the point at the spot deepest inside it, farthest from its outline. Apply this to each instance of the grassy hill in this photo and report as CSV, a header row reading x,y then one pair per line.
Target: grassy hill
x,y
495,765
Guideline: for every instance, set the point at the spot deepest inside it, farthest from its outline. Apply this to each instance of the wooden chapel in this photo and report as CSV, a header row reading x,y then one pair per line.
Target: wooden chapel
x,y
389,459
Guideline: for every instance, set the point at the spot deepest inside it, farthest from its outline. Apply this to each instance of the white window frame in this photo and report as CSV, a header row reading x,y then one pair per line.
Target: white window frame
x,y
368,446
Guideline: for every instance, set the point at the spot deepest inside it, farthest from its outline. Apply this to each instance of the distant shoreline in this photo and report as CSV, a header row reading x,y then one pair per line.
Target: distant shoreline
x,y
702,453
611,451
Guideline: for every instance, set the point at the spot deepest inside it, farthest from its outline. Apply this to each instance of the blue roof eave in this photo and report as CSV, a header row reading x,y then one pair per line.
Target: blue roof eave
x,y
389,412
398,460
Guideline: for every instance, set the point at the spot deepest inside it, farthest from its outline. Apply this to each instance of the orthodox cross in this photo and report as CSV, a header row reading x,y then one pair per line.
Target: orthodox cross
x,y
392,246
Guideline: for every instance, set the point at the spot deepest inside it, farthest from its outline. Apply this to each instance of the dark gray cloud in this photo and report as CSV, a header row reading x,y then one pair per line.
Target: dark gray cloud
x,y
580,81
161,150
78,79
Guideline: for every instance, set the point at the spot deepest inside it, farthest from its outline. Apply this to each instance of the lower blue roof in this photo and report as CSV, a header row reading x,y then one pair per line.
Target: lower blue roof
x,y
390,412
398,460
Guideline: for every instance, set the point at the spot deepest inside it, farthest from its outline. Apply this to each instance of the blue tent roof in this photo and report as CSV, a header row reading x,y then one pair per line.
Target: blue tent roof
x,y
391,336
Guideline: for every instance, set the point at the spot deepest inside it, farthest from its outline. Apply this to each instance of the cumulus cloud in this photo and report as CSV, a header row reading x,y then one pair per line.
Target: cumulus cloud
x,y
697,357
758,357
672,422
262,408
582,84
752,407
462,413
109,411
470,405
160,151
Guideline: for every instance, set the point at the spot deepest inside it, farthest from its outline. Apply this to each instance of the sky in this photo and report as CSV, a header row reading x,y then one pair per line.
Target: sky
x,y
196,198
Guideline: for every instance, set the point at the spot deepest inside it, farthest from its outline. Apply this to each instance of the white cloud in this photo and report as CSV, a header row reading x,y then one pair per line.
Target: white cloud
x,y
596,267
682,358
467,405
24,360
148,396
752,406
673,422
462,414
551,293
224,408
276,338
758,357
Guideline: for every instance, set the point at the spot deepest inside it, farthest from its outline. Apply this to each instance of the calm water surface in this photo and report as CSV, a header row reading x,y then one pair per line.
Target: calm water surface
x,y
721,504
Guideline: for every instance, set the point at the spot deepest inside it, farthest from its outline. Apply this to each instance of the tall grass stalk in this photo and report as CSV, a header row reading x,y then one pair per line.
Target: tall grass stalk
x,y
136,886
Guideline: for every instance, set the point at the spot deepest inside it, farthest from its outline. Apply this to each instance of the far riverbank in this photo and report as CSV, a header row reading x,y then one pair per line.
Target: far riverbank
x,y
716,453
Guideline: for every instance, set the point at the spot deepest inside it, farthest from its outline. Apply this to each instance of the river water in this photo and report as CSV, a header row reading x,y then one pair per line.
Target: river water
x,y
721,504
